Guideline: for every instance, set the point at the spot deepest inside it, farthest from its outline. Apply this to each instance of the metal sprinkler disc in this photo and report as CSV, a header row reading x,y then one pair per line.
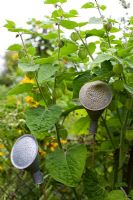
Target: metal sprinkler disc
x,y
95,95
24,151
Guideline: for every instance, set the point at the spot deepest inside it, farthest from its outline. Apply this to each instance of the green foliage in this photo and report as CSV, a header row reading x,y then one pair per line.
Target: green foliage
x,y
102,57
15,47
45,72
92,186
40,119
54,1
65,167
26,67
68,24
21,88
116,194
88,5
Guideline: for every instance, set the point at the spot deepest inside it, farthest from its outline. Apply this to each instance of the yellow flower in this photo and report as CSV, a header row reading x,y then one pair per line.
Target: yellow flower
x,y
54,144
27,80
63,141
1,153
52,148
1,168
2,146
42,153
30,100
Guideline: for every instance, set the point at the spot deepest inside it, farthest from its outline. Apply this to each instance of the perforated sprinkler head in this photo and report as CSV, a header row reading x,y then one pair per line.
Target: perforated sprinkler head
x,y
24,155
95,97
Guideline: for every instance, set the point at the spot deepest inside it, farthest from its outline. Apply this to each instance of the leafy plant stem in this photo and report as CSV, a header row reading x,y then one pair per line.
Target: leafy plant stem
x,y
40,90
26,54
121,152
119,61
75,193
130,171
84,44
54,90
118,113
58,136
115,167
108,132
25,50
107,33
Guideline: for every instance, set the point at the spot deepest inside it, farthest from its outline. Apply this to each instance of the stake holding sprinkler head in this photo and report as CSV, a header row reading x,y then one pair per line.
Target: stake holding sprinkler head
x,y
24,155
95,97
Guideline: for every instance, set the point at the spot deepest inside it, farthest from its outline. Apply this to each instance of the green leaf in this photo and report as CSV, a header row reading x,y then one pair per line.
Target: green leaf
x,y
26,67
15,47
69,24
54,1
129,88
114,30
21,88
91,47
68,48
88,5
93,187
94,20
102,7
10,24
80,24
40,119
106,146
116,194
41,61
129,135
50,35
95,32
45,72
31,50
67,166
80,126
118,85
57,13
21,30
102,57
79,81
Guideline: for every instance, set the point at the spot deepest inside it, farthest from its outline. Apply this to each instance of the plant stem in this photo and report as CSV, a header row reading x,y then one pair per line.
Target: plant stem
x,y
25,50
107,33
54,90
118,113
115,167
40,90
26,54
130,171
84,44
108,132
75,193
58,136
121,152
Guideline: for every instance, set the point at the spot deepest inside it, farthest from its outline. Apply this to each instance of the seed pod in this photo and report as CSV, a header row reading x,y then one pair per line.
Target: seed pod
x,y
117,69
82,53
61,43
74,36
108,26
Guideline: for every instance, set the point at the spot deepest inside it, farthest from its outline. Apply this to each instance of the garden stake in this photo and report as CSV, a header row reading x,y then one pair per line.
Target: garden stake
x,y
95,97
24,155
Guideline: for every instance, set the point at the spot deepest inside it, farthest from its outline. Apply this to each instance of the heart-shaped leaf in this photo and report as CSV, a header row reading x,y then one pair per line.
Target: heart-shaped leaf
x,y
67,167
